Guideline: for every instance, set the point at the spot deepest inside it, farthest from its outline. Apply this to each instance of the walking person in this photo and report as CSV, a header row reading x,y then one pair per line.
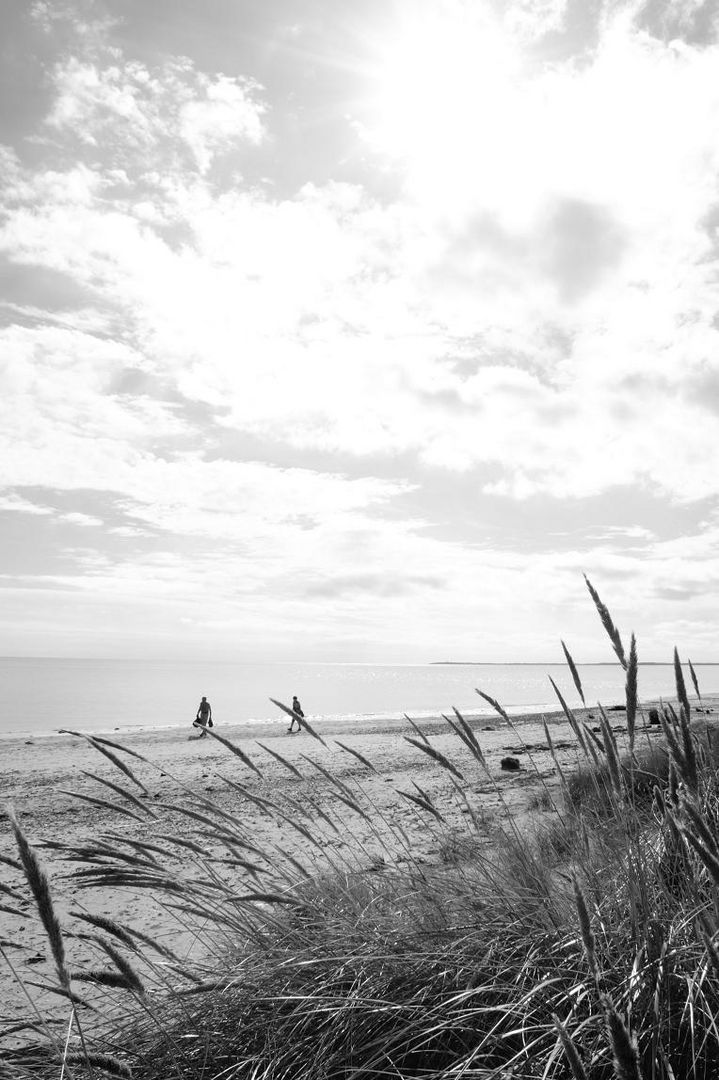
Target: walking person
x,y
203,719
297,710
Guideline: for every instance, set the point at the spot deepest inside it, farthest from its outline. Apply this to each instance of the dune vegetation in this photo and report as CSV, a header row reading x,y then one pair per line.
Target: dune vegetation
x,y
586,946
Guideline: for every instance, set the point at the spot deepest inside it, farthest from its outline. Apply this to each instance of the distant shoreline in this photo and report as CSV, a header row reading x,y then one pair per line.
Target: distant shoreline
x,y
560,663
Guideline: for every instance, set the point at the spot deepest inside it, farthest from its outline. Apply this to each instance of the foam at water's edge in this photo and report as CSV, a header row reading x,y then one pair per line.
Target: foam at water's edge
x,y
117,731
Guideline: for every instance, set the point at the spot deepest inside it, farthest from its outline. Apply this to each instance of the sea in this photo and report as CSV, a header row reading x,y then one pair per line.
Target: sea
x,y
40,696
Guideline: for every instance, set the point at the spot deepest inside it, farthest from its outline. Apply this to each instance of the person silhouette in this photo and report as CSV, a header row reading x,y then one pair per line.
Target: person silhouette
x,y
204,717
297,709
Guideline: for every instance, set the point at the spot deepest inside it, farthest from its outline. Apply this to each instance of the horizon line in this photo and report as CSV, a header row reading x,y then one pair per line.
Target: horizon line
x,y
362,663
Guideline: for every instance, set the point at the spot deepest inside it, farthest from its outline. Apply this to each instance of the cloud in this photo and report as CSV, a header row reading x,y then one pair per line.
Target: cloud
x,y
225,115
631,533
324,320
508,284
585,244
693,21
533,19
297,321
373,584
144,117
679,592
17,504
85,520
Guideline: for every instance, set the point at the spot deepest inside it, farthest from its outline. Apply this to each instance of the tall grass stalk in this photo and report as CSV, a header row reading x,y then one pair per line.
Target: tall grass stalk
x,y
631,694
574,673
301,720
607,623
122,792
626,1058
580,945
40,888
102,747
575,726
66,1044
681,685
572,1054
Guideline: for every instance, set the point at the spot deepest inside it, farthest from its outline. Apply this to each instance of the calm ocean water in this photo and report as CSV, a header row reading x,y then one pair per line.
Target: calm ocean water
x,y
42,695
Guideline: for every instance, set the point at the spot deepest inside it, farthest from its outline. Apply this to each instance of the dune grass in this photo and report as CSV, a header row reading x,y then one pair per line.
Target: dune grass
x,y
586,946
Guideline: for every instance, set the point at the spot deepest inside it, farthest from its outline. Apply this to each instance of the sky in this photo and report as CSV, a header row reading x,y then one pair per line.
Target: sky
x,y
358,331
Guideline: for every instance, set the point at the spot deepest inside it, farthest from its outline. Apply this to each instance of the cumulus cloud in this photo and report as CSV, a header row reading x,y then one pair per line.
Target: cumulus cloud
x,y
145,116
223,115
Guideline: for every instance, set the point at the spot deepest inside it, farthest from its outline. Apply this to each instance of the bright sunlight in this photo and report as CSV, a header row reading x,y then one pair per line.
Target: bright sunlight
x,y
447,99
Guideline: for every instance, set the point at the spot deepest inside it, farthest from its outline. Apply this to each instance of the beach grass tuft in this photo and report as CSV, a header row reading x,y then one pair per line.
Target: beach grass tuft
x,y
578,939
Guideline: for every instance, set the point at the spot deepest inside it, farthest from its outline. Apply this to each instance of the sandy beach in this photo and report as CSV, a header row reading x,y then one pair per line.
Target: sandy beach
x,y
38,774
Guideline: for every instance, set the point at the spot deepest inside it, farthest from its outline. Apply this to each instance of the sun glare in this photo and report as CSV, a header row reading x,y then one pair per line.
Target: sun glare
x,y
443,79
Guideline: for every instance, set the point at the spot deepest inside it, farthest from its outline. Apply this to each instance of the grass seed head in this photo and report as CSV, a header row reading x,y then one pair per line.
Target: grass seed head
x,y
40,888
570,1050
607,623
624,1047
631,693
585,927
681,686
575,674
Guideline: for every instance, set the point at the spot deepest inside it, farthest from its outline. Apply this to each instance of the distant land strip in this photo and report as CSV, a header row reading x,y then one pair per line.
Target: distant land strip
x,y
560,663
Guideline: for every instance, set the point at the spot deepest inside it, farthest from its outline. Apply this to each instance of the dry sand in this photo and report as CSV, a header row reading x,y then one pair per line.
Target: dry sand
x,y
37,771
